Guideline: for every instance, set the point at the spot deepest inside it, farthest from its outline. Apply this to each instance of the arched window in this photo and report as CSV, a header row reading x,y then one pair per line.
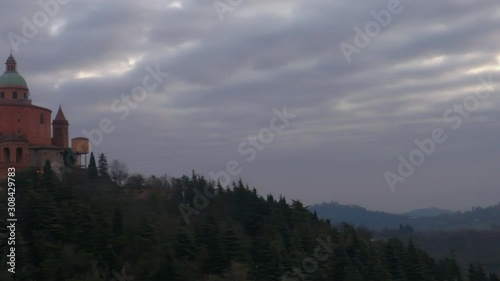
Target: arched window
x,y
42,118
19,155
6,155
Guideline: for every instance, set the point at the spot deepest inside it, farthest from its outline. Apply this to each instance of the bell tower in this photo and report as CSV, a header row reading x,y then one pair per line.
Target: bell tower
x,y
60,134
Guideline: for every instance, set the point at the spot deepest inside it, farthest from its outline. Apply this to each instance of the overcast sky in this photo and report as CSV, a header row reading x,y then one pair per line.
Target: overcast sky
x,y
358,104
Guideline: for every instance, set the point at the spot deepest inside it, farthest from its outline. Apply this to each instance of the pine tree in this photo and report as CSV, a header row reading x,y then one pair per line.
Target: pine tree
x,y
265,260
216,261
92,169
353,274
494,277
64,236
167,269
184,248
231,245
48,177
117,221
413,265
476,273
83,227
103,167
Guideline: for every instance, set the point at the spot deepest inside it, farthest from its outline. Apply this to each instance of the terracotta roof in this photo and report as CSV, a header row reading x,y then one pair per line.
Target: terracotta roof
x,y
60,115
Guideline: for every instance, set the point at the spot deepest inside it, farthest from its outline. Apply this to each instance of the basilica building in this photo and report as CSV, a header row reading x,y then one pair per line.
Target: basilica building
x,y
28,135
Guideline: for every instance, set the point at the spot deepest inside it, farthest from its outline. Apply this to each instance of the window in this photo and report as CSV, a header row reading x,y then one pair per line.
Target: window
x,y
14,95
25,96
19,155
42,118
2,95
6,155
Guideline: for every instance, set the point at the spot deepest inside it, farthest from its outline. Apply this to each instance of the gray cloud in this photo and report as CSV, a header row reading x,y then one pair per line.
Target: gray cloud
x,y
227,76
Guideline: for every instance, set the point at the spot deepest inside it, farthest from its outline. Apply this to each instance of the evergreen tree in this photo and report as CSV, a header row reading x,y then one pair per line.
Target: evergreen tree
x,y
231,246
353,274
265,260
184,248
48,180
494,277
167,269
413,265
92,169
216,261
103,167
117,221
476,273
241,236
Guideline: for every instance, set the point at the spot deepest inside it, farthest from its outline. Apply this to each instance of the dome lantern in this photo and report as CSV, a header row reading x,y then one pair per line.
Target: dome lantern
x,y
11,78
11,64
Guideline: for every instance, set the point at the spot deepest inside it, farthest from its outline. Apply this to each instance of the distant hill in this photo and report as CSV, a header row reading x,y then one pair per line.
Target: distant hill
x,y
359,216
421,220
426,212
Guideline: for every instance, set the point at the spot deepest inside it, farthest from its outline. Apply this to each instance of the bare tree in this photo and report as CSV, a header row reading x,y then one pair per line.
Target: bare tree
x,y
119,172
154,182
135,180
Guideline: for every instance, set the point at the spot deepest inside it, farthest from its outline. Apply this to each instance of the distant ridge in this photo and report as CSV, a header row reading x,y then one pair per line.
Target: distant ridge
x,y
427,219
427,212
359,216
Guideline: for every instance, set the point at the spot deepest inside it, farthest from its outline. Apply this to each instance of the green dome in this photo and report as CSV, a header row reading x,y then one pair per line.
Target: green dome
x,y
11,79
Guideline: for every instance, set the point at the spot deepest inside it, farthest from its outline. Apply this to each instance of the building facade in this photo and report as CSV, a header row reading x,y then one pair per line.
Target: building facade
x,y
27,136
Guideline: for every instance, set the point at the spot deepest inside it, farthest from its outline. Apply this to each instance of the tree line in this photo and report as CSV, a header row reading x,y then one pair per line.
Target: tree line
x,y
92,226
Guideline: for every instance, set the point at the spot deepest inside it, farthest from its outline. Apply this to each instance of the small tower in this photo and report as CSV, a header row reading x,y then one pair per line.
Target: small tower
x,y
11,64
60,134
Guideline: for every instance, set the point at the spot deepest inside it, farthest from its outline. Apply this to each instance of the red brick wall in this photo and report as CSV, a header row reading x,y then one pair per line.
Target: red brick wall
x,y
25,120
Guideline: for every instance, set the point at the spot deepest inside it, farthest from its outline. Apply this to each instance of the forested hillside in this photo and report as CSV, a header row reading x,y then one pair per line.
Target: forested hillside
x,y
87,228
467,246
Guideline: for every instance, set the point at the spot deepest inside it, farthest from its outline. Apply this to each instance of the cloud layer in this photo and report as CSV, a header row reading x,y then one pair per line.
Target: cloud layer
x,y
353,119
